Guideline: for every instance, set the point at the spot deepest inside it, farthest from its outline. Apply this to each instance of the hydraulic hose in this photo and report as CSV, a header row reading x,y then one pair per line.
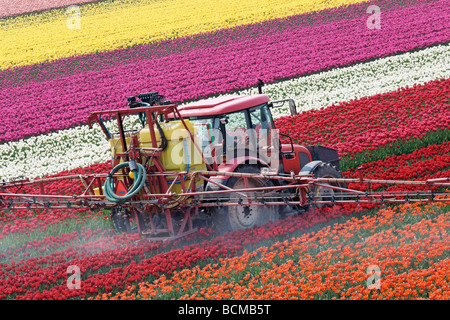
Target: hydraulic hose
x,y
164,142
139,181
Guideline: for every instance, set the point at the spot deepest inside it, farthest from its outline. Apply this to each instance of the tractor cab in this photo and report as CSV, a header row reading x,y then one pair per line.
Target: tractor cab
x,y
235,130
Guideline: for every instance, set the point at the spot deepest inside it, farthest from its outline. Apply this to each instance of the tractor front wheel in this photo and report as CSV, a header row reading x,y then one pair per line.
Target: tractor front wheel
x,y
242,214
324,193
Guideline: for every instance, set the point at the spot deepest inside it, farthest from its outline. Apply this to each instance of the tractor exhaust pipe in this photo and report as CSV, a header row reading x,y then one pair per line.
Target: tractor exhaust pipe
x,y
260,84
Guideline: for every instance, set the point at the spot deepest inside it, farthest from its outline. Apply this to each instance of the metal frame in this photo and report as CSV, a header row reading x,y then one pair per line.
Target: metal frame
x,y
191,201
157,197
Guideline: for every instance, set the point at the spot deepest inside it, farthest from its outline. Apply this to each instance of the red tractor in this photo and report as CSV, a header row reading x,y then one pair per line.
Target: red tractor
x,y
235,141
217,162
245,140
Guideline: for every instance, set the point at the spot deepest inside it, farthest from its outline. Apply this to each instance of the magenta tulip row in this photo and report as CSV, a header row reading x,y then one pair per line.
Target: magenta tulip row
x,y
42,107
99,61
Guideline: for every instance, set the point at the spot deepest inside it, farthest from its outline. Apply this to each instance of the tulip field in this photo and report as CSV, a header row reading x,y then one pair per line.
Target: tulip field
x,y
375,85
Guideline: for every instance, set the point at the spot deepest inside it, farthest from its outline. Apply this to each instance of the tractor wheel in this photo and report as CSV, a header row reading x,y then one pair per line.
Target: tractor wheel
x,y
321,193
243,216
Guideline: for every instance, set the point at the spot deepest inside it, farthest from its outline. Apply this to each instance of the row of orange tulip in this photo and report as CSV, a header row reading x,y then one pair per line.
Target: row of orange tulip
x,y
408,246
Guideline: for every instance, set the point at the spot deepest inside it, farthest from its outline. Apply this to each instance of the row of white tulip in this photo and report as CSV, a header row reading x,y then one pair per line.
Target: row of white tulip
x,y
361,80
80,146
48,154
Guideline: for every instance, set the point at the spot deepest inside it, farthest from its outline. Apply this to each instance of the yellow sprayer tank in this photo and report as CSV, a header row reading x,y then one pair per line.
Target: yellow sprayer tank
x,y
180,155
116,147
116,144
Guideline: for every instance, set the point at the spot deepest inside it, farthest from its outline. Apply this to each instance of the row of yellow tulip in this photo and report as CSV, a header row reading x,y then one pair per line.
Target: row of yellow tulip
x,y
108,25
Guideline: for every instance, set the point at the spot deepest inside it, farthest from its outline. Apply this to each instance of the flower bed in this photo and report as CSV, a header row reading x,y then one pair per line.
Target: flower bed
x,y
320,254
408,245
66,102
19,7
81,146
431,162
111,270
77,64
374,127
109,264
108,25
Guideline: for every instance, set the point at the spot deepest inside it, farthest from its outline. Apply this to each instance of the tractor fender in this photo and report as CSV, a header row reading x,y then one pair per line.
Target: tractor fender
x,y
311,166
231,167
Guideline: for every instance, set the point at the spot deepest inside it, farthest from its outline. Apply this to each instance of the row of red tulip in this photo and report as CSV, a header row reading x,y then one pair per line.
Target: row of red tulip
x,y
113,269
332,263
427,163
361,127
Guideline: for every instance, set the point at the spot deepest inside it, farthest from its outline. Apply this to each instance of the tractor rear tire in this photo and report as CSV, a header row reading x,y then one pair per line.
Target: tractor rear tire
x,y
232,218
326,170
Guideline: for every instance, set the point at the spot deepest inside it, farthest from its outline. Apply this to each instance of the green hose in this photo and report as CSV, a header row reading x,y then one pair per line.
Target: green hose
x,y
139,180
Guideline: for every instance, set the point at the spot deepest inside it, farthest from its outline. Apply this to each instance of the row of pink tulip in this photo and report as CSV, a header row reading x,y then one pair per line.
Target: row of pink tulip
x,y
65,102
104,60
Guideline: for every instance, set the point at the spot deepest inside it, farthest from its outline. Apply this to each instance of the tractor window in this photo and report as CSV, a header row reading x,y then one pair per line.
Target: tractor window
x,y
236,129
236,121
208,130
261,118
262,125
205,129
